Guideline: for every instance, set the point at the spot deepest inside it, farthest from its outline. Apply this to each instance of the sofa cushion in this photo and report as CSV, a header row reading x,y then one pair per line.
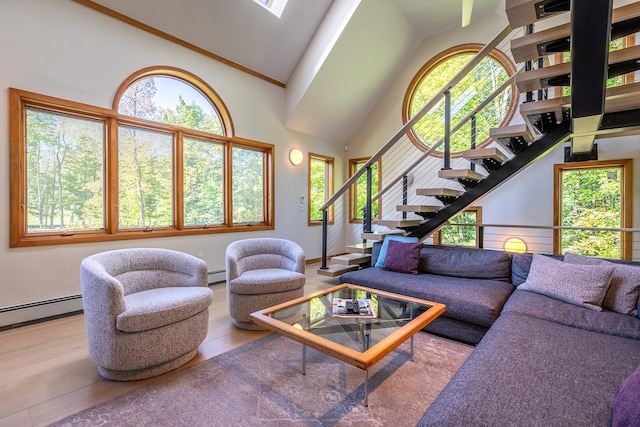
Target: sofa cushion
x,y
477,301
626,405
402,257
583,285
544,307
154,308
266,281
470,263
528,371
385,245
520,265
622,295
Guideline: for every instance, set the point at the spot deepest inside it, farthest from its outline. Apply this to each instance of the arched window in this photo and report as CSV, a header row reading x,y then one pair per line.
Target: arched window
x,y
466,97
163,161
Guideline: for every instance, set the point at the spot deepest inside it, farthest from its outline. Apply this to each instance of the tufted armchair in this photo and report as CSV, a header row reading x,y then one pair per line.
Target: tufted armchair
x,y
261,273
146,310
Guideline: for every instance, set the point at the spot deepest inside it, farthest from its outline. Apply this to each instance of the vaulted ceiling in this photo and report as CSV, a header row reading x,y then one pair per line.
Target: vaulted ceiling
x,y
334,58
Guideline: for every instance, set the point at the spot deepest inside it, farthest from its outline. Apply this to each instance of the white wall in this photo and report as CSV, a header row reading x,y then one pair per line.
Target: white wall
x,y
66,50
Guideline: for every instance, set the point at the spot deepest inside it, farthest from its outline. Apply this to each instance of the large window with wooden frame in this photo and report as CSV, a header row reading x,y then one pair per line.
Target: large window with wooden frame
x,y
591,197
162,162
320,187
358,191
464,232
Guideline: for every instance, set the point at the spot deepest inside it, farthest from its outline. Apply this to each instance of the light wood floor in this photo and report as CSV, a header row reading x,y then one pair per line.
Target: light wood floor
x,y
46,373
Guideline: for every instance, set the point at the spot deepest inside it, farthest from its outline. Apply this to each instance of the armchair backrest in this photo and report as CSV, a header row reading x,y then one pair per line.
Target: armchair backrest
x,y
260,253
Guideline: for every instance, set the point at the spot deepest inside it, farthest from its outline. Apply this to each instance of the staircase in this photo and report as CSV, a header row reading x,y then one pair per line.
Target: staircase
x,y
588,114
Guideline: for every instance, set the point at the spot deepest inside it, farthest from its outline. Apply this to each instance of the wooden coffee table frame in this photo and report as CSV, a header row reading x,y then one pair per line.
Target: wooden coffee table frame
x,y
363,360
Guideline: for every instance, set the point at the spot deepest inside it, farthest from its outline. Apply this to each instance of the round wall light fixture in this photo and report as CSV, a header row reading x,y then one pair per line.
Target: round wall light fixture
x,y
515,244
295,156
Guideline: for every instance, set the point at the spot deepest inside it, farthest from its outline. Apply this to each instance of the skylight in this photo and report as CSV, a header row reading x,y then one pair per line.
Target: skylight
x,y
274,6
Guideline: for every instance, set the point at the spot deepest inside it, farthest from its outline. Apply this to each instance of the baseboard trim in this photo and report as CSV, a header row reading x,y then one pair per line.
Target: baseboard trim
x,y
22,314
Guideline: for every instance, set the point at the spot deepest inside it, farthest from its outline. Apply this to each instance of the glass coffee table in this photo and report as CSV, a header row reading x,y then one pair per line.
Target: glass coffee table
x,y
360,340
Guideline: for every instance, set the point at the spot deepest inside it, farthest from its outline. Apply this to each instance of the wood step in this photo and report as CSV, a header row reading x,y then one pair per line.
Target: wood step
x,y
334,270
532,46
618,98
380,235
466,174
439,192
419,208
525,12
359,248
513,138
400,223
529,81
351,259
480,154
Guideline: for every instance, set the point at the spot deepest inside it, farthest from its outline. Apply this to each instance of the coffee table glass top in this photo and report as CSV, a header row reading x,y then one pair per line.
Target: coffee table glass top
x,y
311,319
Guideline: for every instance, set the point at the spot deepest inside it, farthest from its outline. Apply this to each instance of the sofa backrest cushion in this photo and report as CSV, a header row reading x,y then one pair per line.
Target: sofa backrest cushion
x,y
622,295
520,265
582,285
471,263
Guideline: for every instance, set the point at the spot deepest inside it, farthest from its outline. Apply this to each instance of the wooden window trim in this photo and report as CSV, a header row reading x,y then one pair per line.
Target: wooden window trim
x,y
437,236
20,100
329,187
626,182
353,219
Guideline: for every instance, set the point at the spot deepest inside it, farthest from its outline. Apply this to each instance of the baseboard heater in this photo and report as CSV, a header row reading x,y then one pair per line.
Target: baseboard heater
x,y
22,314
217,276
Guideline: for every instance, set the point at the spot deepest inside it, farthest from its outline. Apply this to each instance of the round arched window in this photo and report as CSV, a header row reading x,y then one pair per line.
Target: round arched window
x,y
467,98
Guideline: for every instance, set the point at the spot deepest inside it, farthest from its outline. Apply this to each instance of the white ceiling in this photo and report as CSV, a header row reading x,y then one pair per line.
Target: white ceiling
x,y
249,35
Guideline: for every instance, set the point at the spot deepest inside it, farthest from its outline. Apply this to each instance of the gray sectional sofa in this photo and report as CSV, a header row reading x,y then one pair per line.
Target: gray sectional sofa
x,y
548,352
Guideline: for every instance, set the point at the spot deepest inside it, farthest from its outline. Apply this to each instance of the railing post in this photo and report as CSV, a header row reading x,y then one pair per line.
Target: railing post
x,y
528,64
325,220
473,138
366,220
481,237
405,191
447,130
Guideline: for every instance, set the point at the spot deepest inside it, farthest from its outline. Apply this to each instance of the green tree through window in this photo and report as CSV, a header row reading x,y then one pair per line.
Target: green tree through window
x,y
320,186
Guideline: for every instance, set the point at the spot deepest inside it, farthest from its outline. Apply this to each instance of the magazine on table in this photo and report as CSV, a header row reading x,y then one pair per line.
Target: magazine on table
x,y
360,308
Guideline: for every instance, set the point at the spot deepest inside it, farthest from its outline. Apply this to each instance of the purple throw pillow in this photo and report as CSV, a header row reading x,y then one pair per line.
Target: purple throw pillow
x,y
626,405
402,257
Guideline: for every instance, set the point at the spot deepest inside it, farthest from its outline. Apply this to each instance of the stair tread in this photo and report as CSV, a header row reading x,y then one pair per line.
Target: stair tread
x,y
400,222
526,48
351,259
523,12
460,174
512,131
485,153
533,80
380,235
618,98
447,192
334,270
361,248
419,208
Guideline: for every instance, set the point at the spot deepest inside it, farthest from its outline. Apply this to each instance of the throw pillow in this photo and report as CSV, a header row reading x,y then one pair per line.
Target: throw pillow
x,y
582,285
626,404
385,245
402,257
623,292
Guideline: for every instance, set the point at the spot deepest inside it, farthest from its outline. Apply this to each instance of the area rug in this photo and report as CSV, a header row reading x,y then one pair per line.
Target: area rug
x,y
261,384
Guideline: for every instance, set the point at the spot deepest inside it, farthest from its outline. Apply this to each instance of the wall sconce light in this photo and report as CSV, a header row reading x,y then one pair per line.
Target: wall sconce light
x,y
295,156
515,244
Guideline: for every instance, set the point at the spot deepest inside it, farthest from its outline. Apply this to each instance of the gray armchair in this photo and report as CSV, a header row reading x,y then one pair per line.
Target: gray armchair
x,y
261,273
146,310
